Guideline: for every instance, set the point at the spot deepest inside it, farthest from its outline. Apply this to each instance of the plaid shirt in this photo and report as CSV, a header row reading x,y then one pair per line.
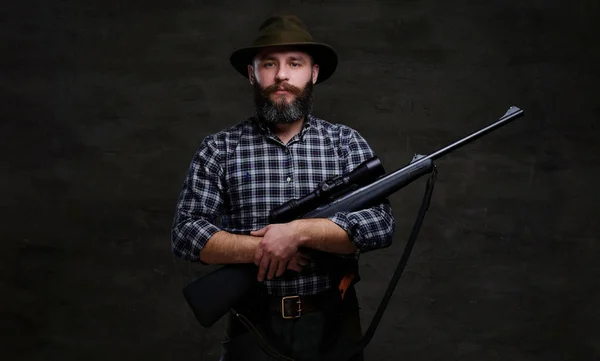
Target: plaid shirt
x,y
239,174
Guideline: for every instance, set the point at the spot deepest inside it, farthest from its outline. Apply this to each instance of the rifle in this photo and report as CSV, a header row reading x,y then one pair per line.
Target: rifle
x,y
214,294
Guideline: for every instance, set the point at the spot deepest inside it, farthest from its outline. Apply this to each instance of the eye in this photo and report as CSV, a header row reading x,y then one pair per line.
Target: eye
x,y
295,64
268,64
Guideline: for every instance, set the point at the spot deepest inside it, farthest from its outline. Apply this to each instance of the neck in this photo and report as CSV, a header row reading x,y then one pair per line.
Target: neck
x,y
285,132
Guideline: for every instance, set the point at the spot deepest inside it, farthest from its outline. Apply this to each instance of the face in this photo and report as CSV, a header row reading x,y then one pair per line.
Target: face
x,y
283,80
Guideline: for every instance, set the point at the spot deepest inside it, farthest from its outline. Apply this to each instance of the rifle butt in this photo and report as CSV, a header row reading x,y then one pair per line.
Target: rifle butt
x,y
211,296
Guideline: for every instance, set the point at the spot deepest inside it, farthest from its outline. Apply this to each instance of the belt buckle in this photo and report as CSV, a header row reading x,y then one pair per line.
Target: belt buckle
x,y
298,310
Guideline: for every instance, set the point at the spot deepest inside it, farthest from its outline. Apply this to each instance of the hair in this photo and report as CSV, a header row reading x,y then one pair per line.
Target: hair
x,y
271,113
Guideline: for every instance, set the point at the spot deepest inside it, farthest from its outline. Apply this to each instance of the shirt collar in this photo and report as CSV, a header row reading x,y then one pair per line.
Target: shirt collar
x,y
264,129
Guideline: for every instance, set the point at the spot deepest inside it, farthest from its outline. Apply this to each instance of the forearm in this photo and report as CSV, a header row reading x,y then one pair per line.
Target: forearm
x,y
324,235
369,229
225,248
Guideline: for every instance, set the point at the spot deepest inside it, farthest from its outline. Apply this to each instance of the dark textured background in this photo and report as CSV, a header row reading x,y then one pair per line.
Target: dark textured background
x,y
104,103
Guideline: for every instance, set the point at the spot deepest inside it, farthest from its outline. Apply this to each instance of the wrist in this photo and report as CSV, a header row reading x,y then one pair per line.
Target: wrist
x,y
308,232
299,229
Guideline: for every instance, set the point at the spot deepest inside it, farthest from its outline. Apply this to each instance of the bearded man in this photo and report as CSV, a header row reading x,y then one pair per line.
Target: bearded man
x,y
282,152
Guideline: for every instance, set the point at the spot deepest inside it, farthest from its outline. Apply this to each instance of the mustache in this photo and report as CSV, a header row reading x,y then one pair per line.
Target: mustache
x,y
279,86
272,112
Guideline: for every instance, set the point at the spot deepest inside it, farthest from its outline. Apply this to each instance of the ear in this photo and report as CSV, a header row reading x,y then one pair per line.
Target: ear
x,y
251,74
315,73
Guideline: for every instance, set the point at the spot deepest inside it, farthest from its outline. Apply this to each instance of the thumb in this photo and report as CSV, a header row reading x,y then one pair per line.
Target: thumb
x,y
259,233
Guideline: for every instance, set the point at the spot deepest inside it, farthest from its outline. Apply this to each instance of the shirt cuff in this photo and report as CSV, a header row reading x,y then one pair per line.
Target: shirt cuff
x,y
188,242
342,220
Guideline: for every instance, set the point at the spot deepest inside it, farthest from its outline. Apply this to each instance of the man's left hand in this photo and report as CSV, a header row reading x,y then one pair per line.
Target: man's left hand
x,y
279,244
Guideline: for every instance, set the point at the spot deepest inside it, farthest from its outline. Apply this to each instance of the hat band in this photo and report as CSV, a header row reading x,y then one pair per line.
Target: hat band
x,y
283,37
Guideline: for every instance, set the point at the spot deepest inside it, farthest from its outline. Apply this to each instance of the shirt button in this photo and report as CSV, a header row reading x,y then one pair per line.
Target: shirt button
x,y
289,179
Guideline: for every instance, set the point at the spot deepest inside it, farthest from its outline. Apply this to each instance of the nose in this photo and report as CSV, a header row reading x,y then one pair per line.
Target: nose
x,y
282,74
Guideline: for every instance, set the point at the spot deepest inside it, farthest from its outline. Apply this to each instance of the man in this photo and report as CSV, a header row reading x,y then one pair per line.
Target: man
x,y
239,174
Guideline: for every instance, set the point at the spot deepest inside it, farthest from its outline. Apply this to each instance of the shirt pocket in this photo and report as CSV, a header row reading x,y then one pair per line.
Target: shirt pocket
x,y
241,191
250,194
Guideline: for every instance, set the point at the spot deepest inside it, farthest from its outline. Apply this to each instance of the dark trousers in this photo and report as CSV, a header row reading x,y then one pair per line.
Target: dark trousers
x,y
312,336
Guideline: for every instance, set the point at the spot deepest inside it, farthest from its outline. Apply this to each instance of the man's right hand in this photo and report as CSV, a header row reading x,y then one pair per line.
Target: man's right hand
x,y
298,262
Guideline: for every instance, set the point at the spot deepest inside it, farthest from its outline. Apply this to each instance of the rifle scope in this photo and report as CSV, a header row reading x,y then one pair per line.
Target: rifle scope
x,y
365,173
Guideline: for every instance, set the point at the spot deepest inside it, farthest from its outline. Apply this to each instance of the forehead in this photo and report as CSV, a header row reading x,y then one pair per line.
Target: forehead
x,y
282,53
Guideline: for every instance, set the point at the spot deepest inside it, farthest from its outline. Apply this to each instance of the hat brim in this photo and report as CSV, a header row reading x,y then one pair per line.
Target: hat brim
x,y
323,55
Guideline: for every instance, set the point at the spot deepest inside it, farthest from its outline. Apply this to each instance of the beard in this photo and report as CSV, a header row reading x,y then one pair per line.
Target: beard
x,y
280,112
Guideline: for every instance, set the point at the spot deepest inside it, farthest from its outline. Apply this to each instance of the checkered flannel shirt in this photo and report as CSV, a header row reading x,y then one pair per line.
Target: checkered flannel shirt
x,y
239,174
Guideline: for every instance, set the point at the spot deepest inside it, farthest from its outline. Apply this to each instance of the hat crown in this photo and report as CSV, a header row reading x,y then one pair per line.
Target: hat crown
x,y
281,30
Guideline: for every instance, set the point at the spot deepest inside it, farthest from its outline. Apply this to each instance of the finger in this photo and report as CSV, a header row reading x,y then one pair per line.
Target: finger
x,y
262,268
273,267
282,267
259,232
302,259
294,266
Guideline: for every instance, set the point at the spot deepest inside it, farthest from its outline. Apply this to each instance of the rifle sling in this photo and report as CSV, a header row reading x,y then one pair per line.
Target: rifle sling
x,y
364,341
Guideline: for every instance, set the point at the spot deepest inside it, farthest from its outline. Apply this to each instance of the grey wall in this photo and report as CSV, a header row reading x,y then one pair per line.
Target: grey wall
x,y
104,103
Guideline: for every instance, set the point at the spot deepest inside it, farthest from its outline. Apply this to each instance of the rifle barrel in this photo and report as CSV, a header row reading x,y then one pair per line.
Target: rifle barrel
x,y
392,182
511,114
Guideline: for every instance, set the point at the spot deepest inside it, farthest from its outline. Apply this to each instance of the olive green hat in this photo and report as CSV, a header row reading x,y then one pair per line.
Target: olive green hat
x,y
287,30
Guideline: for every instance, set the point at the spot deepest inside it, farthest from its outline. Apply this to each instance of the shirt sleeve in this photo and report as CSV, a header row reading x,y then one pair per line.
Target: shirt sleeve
x,y
370,228
198,204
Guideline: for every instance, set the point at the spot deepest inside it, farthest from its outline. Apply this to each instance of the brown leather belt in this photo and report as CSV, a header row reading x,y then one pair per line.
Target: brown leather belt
x,y
295,306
